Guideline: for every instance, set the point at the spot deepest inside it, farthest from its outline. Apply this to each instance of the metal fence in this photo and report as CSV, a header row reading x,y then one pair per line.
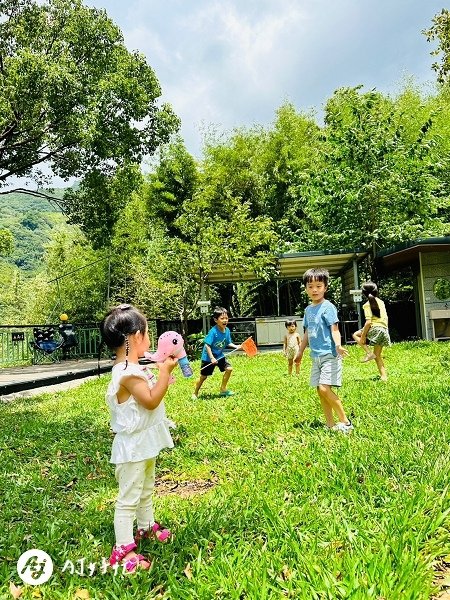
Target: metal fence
x,y
16,343
241,329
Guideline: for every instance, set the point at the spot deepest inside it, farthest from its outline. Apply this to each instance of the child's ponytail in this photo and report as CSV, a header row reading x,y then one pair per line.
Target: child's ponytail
x,y
119,323
374,306
370,290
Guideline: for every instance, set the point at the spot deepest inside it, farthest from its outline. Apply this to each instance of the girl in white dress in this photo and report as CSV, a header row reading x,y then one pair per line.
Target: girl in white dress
x,y
291,345
138,419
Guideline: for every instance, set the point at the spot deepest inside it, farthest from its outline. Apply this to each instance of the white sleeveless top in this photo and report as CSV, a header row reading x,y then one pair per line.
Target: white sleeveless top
x,y
140,433
292,345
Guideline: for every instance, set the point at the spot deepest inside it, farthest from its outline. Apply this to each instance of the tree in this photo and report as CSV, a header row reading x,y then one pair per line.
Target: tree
x,y
12,299
76,278
440,30
210,235
376,181
267,168
73,96
173,182
287,162
100,199
230,168
6,242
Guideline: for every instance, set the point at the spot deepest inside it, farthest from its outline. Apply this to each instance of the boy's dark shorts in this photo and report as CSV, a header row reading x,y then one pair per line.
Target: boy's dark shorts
x,y
222,363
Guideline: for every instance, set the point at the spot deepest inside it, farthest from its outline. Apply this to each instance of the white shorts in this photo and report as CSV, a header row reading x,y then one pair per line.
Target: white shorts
x,y
326,370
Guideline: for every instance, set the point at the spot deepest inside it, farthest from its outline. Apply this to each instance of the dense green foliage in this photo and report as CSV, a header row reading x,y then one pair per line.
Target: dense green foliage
x,y
73,96
264,503
6,242
31,222
376,183
440,30
375,174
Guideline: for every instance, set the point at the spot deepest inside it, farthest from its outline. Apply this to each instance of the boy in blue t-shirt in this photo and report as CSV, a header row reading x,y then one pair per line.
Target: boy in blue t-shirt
x,y
320,322
218,338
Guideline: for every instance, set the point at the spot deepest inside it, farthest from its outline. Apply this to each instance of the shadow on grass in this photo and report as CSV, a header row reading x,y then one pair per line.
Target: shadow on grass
x,y
211,396
316,423
307,424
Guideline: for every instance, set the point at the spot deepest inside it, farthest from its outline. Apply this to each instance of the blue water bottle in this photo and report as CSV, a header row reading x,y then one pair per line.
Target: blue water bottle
x,y
185,367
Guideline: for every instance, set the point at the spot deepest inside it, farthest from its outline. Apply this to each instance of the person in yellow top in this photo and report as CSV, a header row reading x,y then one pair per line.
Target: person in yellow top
x,y
375,330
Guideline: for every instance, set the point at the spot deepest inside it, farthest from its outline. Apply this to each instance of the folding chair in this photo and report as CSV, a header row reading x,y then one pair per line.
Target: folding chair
x,y
45,345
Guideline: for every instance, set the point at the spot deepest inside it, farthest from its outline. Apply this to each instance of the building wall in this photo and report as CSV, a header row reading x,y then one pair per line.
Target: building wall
x,y
348,283
351,311
433,265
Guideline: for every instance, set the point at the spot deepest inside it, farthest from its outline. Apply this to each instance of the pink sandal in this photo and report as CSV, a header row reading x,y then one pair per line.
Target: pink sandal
x,y
118,554
161,533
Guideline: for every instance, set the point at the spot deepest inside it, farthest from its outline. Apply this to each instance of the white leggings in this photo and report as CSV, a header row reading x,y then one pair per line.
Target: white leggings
x,y
136,482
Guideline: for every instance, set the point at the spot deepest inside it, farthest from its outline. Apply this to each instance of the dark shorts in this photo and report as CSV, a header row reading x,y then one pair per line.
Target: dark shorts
x,y
222,363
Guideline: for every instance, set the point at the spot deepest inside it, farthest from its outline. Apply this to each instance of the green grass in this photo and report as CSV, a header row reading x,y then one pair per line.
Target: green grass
x,y
295,511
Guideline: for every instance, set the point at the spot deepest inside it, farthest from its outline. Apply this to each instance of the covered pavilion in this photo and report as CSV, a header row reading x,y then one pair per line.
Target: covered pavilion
x,y
340,263
429,260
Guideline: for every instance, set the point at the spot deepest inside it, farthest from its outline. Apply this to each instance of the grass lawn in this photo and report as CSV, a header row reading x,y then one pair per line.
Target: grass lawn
x,y
264,503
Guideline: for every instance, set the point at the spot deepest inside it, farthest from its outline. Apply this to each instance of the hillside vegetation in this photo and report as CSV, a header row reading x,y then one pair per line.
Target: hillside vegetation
x,y
31,220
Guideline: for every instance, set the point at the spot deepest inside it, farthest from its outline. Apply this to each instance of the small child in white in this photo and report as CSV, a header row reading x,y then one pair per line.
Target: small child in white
x,y
291,345
138,419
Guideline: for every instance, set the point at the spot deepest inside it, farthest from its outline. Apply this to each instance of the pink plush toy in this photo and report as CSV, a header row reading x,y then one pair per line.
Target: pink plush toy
x,y
171,343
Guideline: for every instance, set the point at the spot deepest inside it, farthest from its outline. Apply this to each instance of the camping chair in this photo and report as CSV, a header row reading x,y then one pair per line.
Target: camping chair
x,y
44,345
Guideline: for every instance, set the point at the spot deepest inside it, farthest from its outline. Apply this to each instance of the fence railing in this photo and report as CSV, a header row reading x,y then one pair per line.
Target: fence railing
x,y
16,343
241,329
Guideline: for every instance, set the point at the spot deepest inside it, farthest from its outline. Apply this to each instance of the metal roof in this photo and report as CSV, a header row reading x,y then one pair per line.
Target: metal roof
x,y
292,265
408,253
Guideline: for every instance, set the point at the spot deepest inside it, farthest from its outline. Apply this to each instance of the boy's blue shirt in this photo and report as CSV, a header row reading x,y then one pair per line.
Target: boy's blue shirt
x,y
217,341
317,320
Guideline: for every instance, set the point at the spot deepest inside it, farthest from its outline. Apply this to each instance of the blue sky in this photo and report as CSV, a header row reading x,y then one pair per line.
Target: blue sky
x,y
232,63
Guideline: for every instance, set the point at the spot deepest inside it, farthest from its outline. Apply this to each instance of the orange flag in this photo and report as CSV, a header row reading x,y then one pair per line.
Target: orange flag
x,y
249,347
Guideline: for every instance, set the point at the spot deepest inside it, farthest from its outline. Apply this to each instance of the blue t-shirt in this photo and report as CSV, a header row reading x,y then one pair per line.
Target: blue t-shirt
x,y
217,341
317,321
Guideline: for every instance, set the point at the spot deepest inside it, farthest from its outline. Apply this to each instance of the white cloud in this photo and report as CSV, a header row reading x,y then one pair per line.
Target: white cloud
x,y
234,62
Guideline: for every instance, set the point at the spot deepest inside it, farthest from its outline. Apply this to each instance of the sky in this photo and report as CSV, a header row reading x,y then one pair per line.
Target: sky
x,y
232,63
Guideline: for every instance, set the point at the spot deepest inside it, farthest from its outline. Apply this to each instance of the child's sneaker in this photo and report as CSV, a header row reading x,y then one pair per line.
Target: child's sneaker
x,y
130,565
226,393
343,427
194,397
